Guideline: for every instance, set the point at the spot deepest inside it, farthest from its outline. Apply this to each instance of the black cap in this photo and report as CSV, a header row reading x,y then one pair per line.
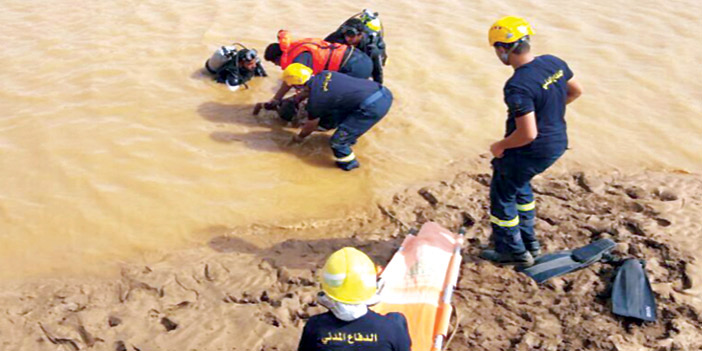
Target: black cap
x,y
273,52
348,31
354,25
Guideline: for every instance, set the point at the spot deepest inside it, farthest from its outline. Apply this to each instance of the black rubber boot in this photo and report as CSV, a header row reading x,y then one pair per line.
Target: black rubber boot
x,y
347,166
523,259
534,248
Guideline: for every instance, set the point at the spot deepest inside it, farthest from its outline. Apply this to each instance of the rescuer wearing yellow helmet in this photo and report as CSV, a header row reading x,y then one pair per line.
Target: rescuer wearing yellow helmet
x,y
316,54
536,97
348,285
338,101
296,75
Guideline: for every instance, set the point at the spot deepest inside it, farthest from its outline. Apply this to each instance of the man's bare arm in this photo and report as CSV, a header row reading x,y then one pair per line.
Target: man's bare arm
x,y
525,133
574,90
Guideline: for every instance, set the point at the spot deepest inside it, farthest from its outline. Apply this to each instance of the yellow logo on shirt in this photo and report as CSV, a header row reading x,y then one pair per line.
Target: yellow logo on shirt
x,y
350,338
325,84
552,79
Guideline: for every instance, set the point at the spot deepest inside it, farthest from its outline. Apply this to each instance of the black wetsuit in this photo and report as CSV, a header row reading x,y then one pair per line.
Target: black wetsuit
x,y
371,44
233,74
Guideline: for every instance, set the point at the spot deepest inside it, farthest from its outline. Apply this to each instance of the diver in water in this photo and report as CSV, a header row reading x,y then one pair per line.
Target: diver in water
x,y
364,32
235,66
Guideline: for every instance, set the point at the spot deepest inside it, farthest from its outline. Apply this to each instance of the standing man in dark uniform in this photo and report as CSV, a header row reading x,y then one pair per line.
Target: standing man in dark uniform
x,y
348,284
351,105
355,33
536,96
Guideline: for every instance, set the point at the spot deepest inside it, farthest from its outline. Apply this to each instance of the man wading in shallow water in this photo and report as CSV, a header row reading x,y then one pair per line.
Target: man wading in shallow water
x,y
536,96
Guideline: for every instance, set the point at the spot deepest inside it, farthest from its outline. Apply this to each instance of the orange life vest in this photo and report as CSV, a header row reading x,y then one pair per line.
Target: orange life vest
x,y
325,55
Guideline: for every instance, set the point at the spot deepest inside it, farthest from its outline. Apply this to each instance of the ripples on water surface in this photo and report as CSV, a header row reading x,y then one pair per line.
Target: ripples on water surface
x,y
114,146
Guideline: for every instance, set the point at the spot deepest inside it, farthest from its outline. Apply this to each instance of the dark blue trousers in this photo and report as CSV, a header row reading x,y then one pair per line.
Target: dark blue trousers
x,y
512,207
372,110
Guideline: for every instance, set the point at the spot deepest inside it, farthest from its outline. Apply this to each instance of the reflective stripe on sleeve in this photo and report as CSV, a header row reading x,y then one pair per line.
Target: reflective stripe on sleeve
x,y
505,224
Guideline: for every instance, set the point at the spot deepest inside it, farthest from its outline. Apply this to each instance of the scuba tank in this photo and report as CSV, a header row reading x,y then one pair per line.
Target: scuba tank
x,y
376,31
371,20
221,56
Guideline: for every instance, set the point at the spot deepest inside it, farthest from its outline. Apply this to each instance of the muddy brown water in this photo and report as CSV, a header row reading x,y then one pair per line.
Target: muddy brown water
x,y
114,147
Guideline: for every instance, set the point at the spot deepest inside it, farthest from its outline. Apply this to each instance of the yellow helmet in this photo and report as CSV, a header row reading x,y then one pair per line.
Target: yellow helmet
x,y
508,30
296,74
349,276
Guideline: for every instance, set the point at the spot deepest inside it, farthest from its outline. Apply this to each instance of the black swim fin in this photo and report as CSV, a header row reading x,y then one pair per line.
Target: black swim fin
x,y
632,295
559,263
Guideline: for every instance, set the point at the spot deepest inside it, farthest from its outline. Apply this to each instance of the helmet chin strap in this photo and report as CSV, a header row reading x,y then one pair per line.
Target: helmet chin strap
x,y
504,57
345,312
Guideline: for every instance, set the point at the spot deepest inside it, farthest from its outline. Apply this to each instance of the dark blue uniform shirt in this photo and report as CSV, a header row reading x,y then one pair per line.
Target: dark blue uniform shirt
x,y
540,86
304,58
372,332
334,95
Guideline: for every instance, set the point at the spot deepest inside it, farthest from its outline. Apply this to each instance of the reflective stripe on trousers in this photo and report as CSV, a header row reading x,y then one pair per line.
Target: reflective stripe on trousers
x,y
348,158
511,196
526,207
505,224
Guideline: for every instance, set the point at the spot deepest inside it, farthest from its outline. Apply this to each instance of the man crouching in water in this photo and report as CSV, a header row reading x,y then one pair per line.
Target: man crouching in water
x,y
348,284
351,105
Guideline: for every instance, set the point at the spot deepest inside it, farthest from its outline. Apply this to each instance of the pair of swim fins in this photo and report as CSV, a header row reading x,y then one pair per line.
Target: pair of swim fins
x,y
632,295
559,263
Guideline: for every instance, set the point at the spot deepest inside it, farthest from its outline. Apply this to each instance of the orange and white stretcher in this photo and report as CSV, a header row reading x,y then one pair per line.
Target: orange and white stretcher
x,y
419,281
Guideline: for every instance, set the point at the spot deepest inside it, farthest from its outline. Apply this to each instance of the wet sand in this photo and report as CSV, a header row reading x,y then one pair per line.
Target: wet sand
x,y
232,294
